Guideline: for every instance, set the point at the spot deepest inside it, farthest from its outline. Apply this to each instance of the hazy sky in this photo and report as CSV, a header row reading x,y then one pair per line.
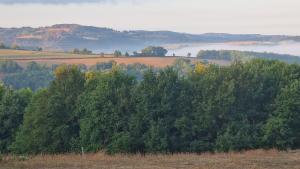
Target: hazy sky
x,y
193,16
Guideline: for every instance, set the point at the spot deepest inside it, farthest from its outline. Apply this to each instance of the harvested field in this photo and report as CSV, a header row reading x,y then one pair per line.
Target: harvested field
x,y
15,54
258,159
152,61
22,57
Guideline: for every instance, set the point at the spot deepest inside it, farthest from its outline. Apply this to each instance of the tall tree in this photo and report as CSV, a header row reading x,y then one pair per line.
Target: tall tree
x,y
105,108
12,109
282,130
50,123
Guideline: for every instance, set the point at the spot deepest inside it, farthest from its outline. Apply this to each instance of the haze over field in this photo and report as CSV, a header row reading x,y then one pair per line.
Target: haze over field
x,y
287,47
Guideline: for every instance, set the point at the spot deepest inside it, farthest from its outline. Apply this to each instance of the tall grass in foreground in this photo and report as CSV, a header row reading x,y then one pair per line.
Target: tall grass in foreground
x,y
254,159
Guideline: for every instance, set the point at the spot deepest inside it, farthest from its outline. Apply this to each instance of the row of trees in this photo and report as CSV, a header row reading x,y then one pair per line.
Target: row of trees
x,y
84,51
210,108
148,51
33,76
154,51
36,76
17,47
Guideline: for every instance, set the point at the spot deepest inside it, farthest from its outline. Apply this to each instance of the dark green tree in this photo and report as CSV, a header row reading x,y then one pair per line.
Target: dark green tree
x,y
105,108
282,130
50,123
154,51
12,109
117,53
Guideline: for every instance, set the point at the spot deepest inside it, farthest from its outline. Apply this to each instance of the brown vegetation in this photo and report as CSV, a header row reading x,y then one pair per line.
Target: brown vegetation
x,y
258,159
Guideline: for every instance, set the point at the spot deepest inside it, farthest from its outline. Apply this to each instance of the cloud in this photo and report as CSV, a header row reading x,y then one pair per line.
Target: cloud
x,y
52,1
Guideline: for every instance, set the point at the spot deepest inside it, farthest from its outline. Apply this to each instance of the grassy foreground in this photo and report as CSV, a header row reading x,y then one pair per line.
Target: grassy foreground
x,y
258,159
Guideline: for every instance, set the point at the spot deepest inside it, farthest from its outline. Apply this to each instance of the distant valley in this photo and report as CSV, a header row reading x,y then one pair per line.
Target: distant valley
x,y
66,37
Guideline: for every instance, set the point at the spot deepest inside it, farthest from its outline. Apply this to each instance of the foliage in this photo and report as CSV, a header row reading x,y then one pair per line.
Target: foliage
x,y
105,66
84,51
12,108
16,47
104,109
10,67
154,51
34,76
282,130
189,107
50,124
117,53
232,55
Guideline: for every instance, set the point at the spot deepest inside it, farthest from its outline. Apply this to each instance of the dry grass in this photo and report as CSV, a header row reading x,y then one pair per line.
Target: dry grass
x,y
258,159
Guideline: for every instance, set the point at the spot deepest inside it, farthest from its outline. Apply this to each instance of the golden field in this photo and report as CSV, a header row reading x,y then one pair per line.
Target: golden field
x,y
48,58
258,159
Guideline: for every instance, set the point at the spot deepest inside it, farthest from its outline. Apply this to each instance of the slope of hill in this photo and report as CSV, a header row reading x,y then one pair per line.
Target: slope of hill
x,y
70,36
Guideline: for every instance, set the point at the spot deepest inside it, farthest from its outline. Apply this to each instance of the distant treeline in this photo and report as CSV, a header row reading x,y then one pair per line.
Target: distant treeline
x,y
33,76
206,109
84,51
232,55
16,47
154,51
36,76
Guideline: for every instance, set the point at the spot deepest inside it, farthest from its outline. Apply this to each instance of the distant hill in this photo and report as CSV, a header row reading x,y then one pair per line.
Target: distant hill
x,y
70,36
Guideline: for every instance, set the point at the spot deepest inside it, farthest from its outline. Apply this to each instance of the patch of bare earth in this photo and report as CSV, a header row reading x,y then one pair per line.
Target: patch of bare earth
x,y
258,159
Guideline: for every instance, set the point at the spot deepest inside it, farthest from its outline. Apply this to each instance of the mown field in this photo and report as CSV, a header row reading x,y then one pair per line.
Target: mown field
x,y
22,57
258,159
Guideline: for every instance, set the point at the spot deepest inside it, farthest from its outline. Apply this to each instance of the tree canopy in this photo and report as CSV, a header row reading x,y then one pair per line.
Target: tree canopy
x,y
182,108
154,51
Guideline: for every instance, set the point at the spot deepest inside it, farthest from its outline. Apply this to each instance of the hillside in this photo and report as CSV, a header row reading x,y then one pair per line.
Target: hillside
x,y
70,36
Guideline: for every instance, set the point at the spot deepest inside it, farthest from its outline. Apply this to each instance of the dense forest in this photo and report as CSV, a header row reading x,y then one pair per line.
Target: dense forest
x,y
232,55
199,108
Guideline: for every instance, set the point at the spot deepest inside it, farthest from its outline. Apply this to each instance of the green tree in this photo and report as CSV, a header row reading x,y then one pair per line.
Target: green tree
x,y
282,129
10,67
153,126
117,53
12,109
50,124
2,46
154,51
105,108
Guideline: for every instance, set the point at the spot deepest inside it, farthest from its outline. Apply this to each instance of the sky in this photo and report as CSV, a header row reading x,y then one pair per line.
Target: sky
x,y
191,16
